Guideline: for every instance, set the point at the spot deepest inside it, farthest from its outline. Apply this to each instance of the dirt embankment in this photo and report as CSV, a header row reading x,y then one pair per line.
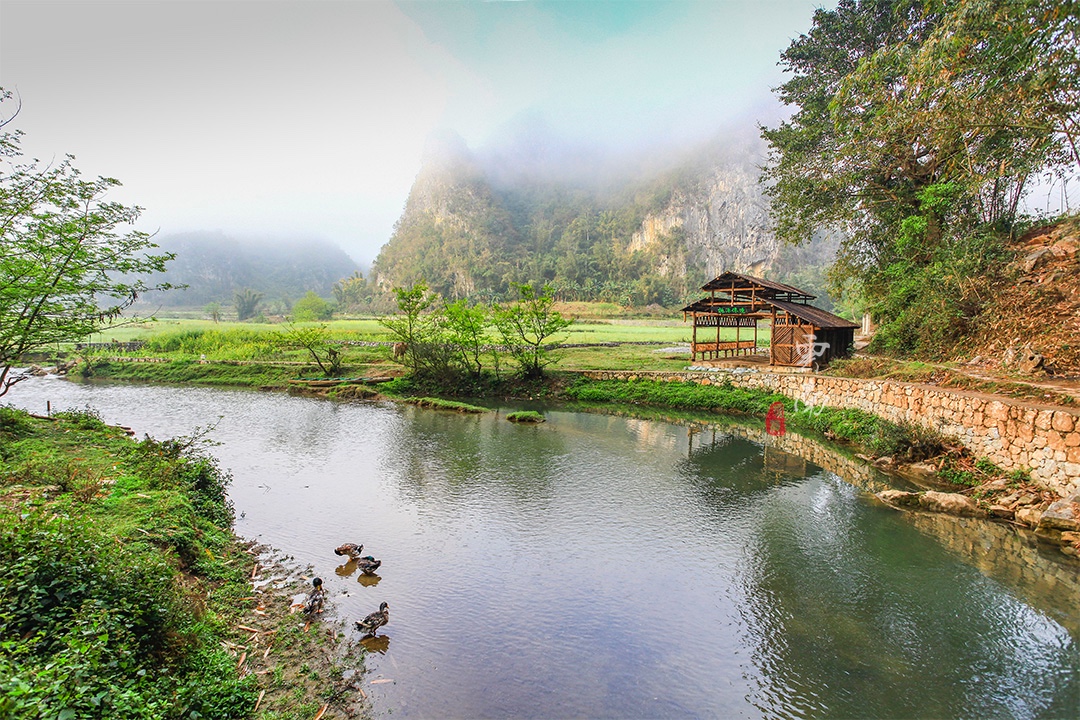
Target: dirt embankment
x,y
1032,323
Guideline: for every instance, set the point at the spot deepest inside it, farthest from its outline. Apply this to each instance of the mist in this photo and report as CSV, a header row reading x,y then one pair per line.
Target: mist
x,y
290,119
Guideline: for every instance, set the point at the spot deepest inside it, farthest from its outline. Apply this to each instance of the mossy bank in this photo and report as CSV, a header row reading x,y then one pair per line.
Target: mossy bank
x,y
125,594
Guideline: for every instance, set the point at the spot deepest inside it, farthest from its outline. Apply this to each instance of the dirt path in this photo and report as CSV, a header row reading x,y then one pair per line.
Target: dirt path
x,y
1064,386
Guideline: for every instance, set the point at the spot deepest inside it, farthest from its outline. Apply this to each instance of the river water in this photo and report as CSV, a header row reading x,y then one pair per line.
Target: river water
x,y
599,566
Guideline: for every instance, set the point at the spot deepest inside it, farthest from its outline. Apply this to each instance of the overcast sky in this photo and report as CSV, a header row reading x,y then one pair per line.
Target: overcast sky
x,y
309,118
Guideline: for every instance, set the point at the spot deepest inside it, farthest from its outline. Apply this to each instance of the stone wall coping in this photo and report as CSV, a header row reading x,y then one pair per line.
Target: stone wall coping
x,y
958,392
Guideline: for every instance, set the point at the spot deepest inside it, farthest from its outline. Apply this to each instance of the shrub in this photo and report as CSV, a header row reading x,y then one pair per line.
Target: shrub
x,y
311,308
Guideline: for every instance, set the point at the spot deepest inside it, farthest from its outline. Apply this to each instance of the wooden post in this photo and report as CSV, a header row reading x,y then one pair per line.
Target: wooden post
x,y
693,342
772,339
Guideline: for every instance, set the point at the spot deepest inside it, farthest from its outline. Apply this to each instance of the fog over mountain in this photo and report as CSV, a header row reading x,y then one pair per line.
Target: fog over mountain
x,y
635,227
309,118
215,265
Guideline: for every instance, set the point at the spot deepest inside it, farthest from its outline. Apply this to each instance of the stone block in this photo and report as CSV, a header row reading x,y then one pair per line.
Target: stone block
x,y
1028,516
996,410
1054,441
1072,439
951,504
1062,422
1062,515
1044,419
900,498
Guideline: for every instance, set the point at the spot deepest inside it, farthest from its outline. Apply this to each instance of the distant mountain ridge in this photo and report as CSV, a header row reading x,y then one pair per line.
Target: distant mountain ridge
x,y
214,266
626,230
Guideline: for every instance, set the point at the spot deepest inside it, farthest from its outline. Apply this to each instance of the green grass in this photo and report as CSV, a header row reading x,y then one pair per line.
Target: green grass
x,y
441,404
195,373
859,428
525,416
104,544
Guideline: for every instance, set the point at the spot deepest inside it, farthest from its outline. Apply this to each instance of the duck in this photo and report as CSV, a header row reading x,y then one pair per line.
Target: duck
x,y
314,602
371,624
368,565
351,549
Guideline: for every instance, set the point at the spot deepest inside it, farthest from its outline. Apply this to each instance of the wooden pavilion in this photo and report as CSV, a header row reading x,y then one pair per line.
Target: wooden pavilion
x,y
802,335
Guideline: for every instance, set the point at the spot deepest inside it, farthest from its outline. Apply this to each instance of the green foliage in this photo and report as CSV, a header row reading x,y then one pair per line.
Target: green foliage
x,y
65,268
353,292
918,128
311,308
951,474
13,423
467,332
86,419
682,395
421,326
247,303
232,343
213,311
441,404
94,621
526,326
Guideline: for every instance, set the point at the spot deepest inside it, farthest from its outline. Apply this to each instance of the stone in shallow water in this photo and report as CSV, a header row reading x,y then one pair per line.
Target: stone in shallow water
x,y
951,503
1061,515
1064,514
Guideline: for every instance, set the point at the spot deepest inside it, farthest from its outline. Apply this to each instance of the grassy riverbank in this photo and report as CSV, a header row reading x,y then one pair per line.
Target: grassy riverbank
x,y
124,593
867,432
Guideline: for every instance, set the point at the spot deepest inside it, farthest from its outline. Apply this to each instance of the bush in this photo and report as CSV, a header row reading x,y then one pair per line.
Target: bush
x,y
311,308
94,620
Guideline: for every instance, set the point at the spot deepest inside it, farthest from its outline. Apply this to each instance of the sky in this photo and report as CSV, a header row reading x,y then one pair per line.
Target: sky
x,y
308,119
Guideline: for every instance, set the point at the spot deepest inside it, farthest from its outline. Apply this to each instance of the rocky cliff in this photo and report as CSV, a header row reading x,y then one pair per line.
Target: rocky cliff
x,y
593,228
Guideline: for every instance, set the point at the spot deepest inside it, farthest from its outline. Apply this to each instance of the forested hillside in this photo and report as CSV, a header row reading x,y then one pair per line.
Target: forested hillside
x,y
214,266
635,231
917,131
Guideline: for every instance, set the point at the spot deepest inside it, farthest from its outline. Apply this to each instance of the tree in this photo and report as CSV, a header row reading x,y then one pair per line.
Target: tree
x,y
804,178
918,129
66,268
311,307
315,339
213,309
247,303
467,331
350,292
525,326
421,326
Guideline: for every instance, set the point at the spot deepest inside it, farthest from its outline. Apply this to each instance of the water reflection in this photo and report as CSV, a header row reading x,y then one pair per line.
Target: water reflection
x,y
368,580
379,644
897,629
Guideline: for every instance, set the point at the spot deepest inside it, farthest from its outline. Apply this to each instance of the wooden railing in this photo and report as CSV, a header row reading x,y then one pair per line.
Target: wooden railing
x,y
725,348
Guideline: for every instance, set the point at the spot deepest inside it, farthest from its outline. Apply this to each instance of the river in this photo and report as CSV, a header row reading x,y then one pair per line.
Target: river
x,y
600,566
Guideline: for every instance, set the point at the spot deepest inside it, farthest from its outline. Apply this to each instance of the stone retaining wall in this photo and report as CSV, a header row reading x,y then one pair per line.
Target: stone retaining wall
x,y
1016,435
